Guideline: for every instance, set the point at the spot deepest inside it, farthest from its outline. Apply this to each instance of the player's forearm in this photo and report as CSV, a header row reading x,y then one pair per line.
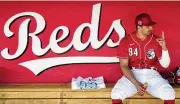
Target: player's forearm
x,y
128,74
165,59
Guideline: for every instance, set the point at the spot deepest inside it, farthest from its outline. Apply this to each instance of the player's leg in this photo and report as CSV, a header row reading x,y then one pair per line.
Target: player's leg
x,y
122,89
160,88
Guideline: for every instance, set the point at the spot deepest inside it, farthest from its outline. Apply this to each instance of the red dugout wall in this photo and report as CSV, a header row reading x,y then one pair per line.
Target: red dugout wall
x,y
72,15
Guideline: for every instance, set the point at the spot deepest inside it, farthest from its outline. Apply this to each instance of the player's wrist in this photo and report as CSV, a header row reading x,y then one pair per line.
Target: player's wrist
x,y
137,84
164,48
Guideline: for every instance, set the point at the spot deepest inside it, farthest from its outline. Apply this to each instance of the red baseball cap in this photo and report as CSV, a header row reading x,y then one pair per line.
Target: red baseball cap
x,y
144,19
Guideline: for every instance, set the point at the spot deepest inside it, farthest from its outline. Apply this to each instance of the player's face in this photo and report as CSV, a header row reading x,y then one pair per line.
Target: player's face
x,y
146,30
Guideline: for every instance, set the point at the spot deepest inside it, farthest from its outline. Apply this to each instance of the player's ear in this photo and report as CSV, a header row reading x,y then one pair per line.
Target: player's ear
x,y
138,27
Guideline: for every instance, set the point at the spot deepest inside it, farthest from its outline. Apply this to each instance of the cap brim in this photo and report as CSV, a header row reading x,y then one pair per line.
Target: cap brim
x,y
151,23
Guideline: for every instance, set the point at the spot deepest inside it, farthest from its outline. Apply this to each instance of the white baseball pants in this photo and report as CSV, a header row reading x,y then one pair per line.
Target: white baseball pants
x,y
157,86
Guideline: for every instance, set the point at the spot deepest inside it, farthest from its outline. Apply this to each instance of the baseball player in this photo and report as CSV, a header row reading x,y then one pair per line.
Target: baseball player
x,y
139,52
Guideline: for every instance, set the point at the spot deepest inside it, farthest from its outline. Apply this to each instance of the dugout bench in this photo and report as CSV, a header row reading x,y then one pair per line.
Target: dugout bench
x,y
55,93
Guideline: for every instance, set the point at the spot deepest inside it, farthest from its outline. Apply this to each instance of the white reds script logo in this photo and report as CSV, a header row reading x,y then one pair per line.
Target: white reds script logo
x,y
151,54
39,65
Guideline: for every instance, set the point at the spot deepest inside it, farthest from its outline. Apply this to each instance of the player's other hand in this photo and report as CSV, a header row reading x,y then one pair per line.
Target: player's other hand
x,y
162,42
140,89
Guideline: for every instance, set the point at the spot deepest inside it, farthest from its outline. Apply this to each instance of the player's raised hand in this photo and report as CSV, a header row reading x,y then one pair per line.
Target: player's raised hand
x,y
162,41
